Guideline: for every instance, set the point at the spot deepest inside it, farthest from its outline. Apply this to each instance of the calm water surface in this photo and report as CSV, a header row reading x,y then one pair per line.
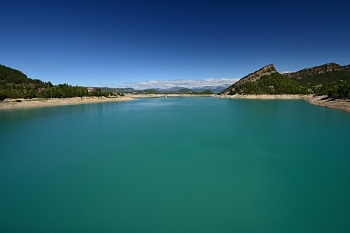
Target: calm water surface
x,y
176,165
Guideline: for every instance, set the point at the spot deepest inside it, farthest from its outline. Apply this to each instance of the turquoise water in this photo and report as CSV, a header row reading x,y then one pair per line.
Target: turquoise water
x,y
176,165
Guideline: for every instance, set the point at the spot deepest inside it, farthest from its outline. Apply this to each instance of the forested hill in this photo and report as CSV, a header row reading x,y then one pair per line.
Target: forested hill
x,y
15,84
323,74
9,75
329,79
265,81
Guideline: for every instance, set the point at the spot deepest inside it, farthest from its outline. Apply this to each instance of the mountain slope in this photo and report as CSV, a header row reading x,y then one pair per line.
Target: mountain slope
x,y
321,75
9,75
15,84
329,79
266,70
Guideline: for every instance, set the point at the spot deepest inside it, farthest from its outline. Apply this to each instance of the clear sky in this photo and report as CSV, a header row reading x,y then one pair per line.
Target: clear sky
x,y
122,43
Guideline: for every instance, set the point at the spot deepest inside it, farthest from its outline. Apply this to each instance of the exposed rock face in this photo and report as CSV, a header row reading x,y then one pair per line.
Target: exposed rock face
x,y
330,67
266,70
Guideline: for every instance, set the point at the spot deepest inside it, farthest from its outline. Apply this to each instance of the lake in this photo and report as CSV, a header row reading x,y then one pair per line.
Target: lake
x,y
176,165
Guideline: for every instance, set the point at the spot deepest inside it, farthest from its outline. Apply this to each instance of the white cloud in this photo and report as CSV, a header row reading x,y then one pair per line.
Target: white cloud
x,y
181,83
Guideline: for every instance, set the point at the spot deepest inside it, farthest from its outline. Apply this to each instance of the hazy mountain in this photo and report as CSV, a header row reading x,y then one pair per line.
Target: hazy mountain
x,y
214,89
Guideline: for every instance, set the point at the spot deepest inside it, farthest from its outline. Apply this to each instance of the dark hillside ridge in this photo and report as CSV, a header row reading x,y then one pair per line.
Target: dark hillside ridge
x,y
15,84
319,76
9,75
329,79
326,68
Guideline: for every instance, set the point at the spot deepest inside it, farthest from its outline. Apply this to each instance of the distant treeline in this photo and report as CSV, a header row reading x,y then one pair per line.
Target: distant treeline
x,y
15,84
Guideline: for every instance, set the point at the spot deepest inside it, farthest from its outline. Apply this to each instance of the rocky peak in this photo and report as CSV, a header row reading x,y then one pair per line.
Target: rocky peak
x,y
266,70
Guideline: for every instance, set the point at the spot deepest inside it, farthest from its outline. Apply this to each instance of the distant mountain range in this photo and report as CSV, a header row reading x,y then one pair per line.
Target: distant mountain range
x,y
214,89
174,90
329,79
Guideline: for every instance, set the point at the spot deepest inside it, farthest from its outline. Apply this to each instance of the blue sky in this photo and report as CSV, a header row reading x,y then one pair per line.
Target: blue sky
x,y
125,43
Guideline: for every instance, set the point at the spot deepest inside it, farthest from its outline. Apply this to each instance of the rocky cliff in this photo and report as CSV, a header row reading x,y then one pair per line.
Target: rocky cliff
x,y
266,70
330,67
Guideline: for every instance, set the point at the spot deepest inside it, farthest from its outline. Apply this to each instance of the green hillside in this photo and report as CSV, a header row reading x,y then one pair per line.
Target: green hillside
x,y
273,84
15,84
329,83
9,75
313,80
329,79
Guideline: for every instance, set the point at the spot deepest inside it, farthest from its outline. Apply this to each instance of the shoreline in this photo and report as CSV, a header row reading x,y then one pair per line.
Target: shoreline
x,y
10,104
323,101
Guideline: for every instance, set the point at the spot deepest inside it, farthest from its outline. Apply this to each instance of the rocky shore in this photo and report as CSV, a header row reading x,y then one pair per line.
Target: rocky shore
x,y
342,104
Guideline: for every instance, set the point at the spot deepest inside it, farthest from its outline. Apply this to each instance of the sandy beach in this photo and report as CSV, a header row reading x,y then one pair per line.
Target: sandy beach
x,y
36,103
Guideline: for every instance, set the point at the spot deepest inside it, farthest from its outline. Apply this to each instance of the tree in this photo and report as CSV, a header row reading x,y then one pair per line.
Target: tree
x,y
2,96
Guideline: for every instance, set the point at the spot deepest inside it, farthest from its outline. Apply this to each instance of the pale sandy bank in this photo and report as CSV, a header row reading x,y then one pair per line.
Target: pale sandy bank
x,y
343,104
35,103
